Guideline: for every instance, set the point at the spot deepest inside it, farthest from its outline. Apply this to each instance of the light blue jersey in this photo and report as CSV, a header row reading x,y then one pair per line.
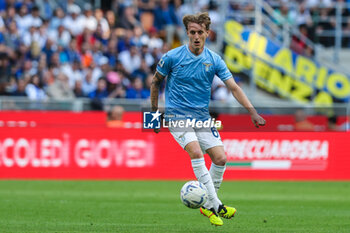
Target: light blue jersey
x,y
189,79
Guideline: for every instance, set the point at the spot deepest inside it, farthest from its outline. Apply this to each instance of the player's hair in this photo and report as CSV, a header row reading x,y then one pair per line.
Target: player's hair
x,y
200,18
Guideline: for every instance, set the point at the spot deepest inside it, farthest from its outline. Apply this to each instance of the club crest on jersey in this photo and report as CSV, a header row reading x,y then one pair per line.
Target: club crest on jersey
x,y
207,66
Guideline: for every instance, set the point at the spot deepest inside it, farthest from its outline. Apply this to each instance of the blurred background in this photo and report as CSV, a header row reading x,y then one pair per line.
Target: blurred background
x,y
75,73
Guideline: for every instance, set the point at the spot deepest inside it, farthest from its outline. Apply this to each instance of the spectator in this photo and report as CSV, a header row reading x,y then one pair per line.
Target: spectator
x,y
102,22
125,40
55,62
12,38
128,19
72,52
332,124
34,89
74,22
90,21
143,71
216,21
154,41
146,5
49,50
60,36
27,68
136,91
60,89
147,85
21,21
33,19
115,86
10,15
115,117
88,85
111,19
31,36
100,36
47,8
301,122
324,24
182,9
283,15
147,56
96,51
20,88
73,72
86,56
111,51
68,4
78,89
130,59
167,21
42,67
104,65
57,19
298,44
101,91
49,75
303,16
86,39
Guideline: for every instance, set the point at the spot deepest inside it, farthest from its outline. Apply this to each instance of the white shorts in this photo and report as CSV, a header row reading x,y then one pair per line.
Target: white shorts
x,y
206,137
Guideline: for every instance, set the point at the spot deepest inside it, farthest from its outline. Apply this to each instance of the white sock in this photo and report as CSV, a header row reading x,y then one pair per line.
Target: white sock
x,y
216,173
203,176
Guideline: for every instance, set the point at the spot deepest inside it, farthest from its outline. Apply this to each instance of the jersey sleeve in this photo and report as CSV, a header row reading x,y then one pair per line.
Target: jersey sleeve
x,y
221,69
164,65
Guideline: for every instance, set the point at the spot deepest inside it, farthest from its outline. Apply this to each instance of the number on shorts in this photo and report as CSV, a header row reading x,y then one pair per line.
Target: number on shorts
x,y
215,132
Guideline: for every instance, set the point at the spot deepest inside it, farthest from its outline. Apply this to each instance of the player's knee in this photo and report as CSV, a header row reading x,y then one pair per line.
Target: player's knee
x,y
220,161
196,154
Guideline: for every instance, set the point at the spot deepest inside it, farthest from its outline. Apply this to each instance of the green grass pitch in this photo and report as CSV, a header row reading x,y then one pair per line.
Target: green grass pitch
x,y
155,206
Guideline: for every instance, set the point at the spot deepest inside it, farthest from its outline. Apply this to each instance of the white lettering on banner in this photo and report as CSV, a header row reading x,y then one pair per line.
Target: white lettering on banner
x,y
276,149
8,143
191,123
22,152
104,153
22,144
81,153
55,152
104,161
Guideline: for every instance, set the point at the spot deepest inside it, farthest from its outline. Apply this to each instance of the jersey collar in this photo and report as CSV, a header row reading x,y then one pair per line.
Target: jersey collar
x,y
193,55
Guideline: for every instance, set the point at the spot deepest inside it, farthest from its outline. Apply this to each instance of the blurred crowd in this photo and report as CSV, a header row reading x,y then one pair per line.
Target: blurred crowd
x,y
315,20
70,49
312,19
64,50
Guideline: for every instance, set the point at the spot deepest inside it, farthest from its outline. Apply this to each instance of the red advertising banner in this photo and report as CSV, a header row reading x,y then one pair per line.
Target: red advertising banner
x,y
106,153
232,123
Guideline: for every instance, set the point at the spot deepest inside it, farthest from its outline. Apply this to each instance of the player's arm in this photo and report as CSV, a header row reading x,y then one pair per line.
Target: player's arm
x,y
156,81
238,93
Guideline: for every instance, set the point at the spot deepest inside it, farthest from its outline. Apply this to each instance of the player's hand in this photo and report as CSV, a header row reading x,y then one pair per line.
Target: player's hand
x,y
156,130
257,120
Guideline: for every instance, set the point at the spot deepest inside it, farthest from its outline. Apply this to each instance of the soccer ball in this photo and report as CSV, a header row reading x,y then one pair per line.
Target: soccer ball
x,y
194,194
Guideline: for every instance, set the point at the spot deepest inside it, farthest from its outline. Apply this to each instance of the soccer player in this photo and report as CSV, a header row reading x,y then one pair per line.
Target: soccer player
x,y
190,70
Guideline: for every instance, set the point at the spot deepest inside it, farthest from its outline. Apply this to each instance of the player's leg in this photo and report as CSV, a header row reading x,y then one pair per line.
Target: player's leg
x,y
189,141
201,171
217,170
210,141
218,165
203,176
